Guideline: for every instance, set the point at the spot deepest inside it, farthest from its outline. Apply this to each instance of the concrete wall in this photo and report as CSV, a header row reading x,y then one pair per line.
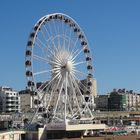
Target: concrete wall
x,y
41,134
85,127
11,135
21,135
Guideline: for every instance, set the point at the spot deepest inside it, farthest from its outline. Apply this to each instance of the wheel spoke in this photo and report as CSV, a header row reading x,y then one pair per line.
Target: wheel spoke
x,y
73,47
49,34
70,105
58,99
44,36
42,88
82,62
69,40
50,29
54,56
66,92
84,87
79,72
46,30
82,97
74,53
55,27
78,53
39,58
72,87
45,71
40,42
52,92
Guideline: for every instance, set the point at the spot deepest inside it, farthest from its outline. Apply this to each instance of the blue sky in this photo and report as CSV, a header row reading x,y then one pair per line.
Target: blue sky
x,y
111,26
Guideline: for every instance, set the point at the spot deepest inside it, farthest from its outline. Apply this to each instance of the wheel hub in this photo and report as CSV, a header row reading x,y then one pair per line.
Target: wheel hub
x,y
68,66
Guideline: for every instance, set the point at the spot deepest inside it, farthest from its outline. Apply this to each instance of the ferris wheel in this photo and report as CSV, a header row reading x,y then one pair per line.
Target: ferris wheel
x,y
59,70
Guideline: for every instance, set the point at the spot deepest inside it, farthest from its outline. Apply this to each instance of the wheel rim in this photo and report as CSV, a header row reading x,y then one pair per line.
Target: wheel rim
x,y
58,61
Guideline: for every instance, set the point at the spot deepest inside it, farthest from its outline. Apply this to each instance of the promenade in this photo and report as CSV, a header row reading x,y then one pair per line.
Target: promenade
x,y
129,137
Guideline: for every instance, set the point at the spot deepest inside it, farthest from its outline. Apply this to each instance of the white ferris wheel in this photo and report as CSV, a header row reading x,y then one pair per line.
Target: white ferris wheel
x,y
59,70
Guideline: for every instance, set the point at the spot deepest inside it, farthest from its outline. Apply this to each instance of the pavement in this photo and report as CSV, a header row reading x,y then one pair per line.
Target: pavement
x,y
115,137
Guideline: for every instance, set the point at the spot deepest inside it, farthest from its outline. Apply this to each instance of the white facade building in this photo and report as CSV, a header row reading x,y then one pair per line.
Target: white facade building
x,y
132,101
10,100
85,86
94,87
25,100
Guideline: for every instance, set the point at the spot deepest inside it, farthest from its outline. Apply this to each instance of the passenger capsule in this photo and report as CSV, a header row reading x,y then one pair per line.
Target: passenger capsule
x,y
86,50
50,17
87,92
30,83
66,20
37,102
83,43
32,93
60,17
89,67
88,58
41,109
32,35
90,75
76,30
28,63
30,43
40,22
36,27
45,115
89,83
86,99
81,36
28,53
29,73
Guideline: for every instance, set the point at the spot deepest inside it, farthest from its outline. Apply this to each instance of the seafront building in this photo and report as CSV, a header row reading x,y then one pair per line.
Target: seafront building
x,y
118,100
9,100
122,100
101,102
25,100
112,118
94,87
